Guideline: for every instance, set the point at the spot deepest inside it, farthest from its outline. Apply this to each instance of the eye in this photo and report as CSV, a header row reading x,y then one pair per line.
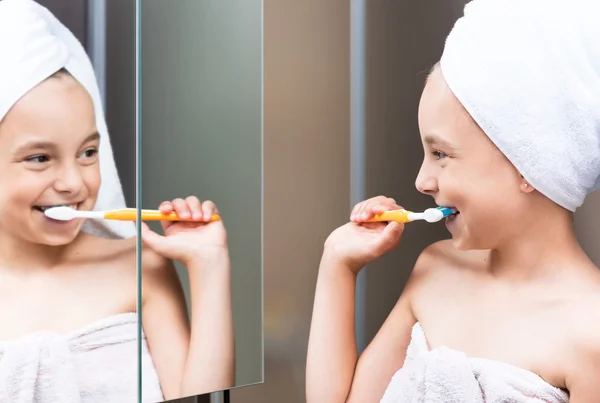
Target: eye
x,y
38,159
90,153
438,155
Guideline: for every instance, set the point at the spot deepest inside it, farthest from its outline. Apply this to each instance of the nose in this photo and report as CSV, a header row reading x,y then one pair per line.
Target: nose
x,y
69,179
426,182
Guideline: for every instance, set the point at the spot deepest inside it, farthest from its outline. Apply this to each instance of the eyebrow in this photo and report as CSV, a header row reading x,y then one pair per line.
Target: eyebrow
x,y
435,140
46,145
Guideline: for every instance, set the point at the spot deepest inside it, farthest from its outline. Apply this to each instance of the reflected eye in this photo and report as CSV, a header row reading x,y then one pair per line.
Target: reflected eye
x,y
438,155
39,159
89,153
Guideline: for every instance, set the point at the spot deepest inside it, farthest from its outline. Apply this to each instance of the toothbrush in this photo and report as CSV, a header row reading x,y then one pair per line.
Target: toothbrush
x,y
63,213
430,215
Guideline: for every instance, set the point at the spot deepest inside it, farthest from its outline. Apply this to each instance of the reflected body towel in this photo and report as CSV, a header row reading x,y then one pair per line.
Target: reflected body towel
x,y
96,364
443,375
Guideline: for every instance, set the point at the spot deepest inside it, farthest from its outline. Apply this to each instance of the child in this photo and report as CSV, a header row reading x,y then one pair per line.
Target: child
x,y
508,308
68,297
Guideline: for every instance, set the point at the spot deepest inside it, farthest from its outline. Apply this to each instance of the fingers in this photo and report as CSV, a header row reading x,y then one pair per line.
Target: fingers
x,y
389,238
208,209
365,210
392,233
166,207
182,209
190,209
195,207
152,239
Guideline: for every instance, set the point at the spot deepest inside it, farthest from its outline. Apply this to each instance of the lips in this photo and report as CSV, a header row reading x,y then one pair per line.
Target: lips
x,y
456,212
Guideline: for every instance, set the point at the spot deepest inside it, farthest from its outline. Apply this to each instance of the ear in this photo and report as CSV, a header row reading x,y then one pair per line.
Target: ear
x,y
525,186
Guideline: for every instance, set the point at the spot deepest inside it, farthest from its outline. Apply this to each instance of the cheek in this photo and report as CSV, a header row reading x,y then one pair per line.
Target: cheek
x,y
92,180
21,190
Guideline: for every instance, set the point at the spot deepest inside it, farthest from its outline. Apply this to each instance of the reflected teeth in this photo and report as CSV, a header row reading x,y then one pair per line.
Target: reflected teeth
x,y
73,206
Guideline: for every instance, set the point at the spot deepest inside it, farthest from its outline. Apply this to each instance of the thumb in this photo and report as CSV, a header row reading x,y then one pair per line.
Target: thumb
x,y
155,241
391,235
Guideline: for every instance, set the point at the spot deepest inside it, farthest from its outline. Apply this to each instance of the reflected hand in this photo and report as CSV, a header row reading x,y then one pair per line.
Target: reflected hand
x,y
357,243
188,241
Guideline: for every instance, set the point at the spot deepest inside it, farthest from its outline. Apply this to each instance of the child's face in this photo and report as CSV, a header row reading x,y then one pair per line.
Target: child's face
x,y
462,168
48,157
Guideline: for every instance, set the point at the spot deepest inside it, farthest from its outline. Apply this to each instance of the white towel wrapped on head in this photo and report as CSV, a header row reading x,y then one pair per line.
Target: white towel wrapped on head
x,y
33,46
528,72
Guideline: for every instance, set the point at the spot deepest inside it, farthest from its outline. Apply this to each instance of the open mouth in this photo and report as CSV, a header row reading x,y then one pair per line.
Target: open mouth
x,y
452,216
44,208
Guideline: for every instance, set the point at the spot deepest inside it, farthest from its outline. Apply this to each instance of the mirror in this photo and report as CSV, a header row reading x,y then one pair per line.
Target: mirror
x,y
201,135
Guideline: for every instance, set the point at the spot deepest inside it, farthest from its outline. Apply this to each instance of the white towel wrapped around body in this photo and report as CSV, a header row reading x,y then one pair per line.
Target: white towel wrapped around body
x,y
528,72
96,364
34,45
443,375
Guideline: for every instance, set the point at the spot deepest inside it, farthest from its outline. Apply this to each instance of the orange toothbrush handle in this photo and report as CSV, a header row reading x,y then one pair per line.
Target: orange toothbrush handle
x,y
148,215
400,216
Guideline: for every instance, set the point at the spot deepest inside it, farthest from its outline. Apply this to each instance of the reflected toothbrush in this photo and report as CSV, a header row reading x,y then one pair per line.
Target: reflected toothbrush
x,y
430,215
64,213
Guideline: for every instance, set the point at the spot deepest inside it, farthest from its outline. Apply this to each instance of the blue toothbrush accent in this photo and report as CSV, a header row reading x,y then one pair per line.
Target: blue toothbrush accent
x,y
446,211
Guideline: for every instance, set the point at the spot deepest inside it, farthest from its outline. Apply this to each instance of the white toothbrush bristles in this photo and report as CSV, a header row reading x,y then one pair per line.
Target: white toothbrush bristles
x,y
64,213
432,215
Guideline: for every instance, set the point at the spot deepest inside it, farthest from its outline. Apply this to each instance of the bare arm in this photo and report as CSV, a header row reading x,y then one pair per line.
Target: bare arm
x,y
165,322
332,351
190,359
335,373
210,364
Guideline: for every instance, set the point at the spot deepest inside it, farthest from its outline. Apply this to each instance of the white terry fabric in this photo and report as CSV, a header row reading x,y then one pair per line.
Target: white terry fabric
x,y
443,375
33,46
96,364
528,72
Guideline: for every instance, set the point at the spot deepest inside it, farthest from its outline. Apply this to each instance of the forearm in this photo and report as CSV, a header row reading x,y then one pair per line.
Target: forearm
x,y
210,363
332,351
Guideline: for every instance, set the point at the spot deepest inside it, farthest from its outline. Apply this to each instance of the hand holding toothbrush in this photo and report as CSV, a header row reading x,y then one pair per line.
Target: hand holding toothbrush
x,y
359,242
188,241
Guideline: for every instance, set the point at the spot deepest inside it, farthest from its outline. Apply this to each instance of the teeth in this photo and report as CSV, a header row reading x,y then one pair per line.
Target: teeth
x,y
73,206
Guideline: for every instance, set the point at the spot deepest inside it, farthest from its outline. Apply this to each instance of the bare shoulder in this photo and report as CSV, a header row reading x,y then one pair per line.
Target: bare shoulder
x,y
583,369
108,253
584,312
159,276
158,272
440,270
443,259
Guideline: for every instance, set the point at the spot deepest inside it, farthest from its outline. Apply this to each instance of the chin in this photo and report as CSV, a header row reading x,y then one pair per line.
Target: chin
x,y
60,237
56,239
58,242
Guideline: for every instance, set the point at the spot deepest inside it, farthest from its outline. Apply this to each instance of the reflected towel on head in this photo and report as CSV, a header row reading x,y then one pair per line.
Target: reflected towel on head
x,y
443,375
528,72
34,45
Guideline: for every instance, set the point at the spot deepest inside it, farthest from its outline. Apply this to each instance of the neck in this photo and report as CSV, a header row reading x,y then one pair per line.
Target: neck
x,y
541,248
17,254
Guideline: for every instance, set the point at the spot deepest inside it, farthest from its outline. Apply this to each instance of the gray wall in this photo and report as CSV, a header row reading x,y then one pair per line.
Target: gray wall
x,y
72,13
120,90
201,105
307,187
403,41
587,226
